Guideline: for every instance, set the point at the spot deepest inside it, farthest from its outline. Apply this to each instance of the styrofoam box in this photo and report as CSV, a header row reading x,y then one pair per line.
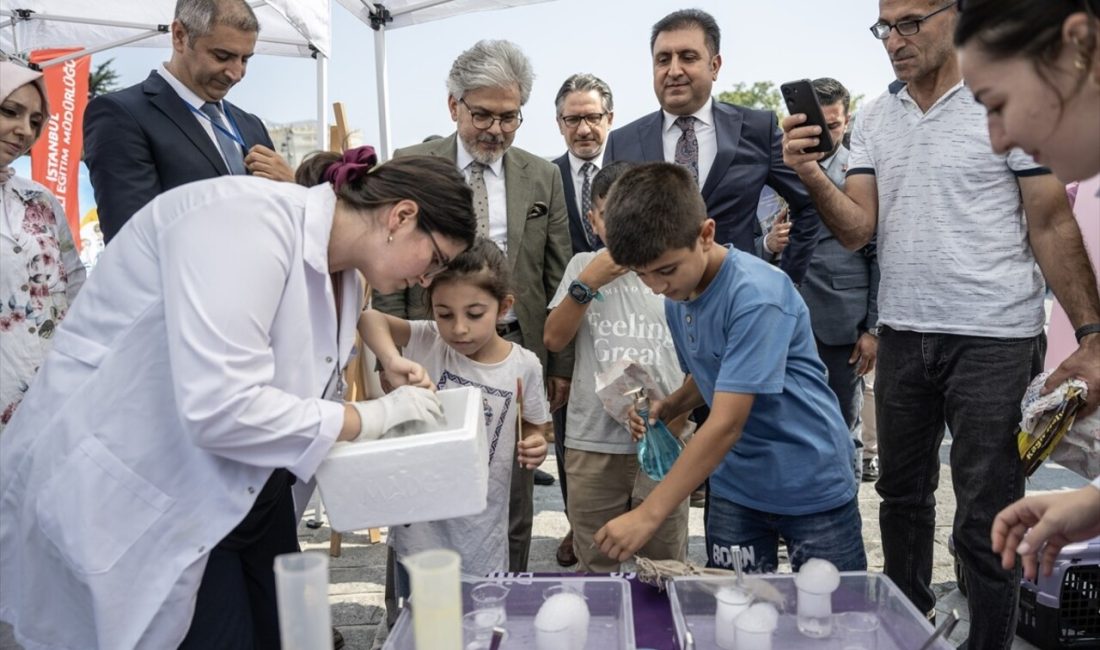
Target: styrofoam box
x,y
435,475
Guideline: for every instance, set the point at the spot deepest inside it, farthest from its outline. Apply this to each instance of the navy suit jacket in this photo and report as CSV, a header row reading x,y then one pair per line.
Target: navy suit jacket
x,y
749,156
841,286
144,140
576,225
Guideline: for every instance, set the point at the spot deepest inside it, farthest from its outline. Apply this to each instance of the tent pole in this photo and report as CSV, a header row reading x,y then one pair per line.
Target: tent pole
x,y
322,101
381,74
92,50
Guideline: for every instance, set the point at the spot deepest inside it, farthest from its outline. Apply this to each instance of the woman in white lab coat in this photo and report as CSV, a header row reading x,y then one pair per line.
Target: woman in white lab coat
x,y
196,376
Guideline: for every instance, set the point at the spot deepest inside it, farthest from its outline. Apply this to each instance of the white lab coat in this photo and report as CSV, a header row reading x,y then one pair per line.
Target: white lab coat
x,y
192,364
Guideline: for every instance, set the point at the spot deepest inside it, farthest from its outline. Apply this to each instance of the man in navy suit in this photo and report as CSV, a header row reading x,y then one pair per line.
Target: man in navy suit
x,y
585,110
733,151
175,127
841,286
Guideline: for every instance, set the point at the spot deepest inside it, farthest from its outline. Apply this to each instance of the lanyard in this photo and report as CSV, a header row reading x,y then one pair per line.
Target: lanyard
x,y
234,135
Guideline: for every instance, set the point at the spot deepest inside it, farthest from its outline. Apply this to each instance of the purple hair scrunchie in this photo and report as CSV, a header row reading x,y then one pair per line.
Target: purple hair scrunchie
x,y
354,164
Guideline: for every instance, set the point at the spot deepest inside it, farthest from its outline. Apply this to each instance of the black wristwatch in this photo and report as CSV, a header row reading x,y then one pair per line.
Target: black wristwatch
x,y
581,292
1085,330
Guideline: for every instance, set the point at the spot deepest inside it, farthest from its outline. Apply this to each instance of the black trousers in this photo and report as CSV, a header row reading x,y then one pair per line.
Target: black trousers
x,y
236,607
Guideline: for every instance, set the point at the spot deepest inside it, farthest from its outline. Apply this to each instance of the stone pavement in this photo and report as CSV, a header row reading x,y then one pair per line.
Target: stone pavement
x,y
358,576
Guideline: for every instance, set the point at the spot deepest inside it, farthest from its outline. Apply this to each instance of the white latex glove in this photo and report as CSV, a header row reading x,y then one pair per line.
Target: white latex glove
x,y
405,404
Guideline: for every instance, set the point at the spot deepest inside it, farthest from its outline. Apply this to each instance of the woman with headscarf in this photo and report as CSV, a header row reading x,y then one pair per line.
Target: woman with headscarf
x,y
40,270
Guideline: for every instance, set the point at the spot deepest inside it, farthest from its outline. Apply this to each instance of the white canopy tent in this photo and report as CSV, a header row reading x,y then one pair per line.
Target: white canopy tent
x,y
298,28
392,14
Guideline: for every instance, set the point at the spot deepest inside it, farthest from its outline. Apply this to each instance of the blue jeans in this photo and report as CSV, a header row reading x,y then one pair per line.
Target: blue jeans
x,y
834,535
973,385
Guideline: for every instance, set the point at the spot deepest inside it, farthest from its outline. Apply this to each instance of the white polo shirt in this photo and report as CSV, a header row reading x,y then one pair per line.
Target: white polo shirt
x,y
952,237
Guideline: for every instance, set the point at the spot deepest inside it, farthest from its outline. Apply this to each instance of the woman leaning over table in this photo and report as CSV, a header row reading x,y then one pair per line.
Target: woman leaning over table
x,y
145,483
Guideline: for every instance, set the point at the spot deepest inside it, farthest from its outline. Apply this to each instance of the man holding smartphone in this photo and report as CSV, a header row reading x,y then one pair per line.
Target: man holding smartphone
x,y
841,286
961,317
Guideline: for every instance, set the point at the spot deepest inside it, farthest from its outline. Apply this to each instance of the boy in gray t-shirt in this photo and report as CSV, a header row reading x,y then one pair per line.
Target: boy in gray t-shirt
x,y
613,316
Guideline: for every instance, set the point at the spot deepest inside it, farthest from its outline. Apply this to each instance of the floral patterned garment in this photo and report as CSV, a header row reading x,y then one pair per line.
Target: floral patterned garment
x,y
40,274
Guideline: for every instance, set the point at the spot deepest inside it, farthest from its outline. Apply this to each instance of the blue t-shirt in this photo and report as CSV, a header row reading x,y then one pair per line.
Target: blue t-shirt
x,y
749,332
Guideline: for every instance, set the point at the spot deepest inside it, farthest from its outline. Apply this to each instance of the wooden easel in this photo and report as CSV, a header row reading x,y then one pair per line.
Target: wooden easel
x,y
360,377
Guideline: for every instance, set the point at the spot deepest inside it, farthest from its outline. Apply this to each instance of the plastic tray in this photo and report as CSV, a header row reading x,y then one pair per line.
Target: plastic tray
x,y
611,626
901,626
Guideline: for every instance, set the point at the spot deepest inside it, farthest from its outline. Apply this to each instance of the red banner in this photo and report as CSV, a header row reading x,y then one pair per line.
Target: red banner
x,y
55,158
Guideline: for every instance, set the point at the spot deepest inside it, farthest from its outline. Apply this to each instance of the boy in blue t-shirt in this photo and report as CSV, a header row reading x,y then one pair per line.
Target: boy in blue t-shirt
x,y
776,449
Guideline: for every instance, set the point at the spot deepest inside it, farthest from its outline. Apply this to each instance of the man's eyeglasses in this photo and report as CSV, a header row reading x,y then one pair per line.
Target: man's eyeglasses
x,y
573,121
439,260
483,120
881,30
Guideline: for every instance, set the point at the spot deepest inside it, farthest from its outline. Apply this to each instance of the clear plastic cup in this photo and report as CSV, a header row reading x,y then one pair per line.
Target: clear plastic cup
x,y
301,588
477,627
730,602
857,630
491,596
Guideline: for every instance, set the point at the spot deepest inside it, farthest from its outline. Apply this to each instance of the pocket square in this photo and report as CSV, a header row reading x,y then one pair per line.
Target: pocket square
x,y
539,209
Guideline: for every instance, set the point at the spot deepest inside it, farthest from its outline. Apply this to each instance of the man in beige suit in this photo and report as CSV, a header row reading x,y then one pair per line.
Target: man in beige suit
x,y
521,206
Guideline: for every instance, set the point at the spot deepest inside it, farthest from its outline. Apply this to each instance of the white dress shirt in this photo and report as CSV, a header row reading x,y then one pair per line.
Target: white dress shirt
x,y
705,133
575,165
498,204
498,199
196,102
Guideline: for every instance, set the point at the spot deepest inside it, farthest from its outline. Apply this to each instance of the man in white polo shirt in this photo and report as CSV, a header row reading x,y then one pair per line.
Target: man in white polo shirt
x,y
960,300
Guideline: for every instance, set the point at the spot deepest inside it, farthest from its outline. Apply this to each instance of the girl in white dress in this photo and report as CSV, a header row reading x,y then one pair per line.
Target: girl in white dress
x,y
461,347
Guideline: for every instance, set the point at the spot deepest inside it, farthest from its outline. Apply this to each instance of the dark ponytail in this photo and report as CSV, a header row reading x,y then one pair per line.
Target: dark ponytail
x,y
434,184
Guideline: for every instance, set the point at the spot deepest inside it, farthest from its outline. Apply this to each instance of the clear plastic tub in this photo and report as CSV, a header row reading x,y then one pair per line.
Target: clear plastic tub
x,y
900,625
610,626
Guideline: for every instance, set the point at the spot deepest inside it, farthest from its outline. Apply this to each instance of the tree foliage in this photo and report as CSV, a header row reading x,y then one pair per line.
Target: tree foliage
x,y
102,80
763,95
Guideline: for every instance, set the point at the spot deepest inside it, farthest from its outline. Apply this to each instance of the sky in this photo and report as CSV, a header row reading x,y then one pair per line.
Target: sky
x,y
762,40
773,40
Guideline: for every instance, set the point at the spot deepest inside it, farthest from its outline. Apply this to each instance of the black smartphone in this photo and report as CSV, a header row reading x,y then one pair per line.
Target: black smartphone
x,y
801,98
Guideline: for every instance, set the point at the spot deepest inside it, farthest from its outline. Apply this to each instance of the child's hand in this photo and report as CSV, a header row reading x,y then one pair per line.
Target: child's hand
x,y
637,426
531,451
601,270
621,537
399,371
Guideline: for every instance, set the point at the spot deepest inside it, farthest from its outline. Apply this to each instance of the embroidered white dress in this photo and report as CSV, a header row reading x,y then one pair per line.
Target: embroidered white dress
x,y
40,274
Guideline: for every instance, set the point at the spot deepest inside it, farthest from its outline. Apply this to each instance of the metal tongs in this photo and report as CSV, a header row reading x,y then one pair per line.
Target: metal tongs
x,y
944,630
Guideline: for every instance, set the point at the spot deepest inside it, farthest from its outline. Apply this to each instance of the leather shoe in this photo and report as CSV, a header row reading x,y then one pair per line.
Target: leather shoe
x,y
337,639
870,470
565,554
543,478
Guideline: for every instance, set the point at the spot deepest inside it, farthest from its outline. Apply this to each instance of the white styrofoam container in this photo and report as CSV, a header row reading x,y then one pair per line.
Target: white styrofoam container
x,y
436,475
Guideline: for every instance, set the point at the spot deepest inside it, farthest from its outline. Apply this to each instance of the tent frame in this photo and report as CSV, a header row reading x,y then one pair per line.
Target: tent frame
x,y
16,16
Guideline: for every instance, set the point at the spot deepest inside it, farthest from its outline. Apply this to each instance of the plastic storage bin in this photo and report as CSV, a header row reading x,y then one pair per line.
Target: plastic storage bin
x,y
610,627
901,626
1063,609
436,475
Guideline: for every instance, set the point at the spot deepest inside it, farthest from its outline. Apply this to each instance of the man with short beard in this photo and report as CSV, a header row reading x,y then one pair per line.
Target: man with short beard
x,y
520,203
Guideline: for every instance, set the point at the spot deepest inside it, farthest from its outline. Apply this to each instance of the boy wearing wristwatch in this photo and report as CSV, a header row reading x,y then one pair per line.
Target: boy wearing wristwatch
x,y
613,316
